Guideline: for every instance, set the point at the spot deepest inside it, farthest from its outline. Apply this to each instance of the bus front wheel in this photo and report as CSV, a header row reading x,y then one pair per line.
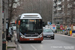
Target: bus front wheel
x,y
39,41
19,41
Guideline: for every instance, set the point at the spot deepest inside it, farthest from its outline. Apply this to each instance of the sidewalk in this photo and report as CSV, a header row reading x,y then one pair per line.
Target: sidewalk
x,y
12,45
11,49
73,35
60,32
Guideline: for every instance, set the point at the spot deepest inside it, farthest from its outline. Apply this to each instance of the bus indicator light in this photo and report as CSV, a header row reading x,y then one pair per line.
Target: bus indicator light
x,y
19,22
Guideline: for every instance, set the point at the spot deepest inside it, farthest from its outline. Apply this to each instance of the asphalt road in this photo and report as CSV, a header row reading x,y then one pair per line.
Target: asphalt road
x,y
60,42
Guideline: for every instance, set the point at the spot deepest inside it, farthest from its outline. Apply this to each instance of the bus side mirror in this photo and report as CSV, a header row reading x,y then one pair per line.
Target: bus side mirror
x,y
19,22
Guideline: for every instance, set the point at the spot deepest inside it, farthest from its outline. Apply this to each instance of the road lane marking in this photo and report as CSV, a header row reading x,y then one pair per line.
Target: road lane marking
x,y
33,47
20,47
65,35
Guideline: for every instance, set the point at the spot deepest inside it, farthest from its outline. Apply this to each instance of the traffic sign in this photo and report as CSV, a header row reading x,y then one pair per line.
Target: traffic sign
x,y
53,25
61,27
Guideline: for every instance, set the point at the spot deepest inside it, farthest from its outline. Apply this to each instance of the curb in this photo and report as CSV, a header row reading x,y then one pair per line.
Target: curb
x,y
11,49
67,35
12,46
6,45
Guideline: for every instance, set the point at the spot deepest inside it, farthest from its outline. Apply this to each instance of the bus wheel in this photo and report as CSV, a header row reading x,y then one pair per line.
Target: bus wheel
x,y
19,41
39,41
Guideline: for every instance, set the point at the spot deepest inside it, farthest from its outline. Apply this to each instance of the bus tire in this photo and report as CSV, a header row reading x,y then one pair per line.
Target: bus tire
x,y
19,41
39,41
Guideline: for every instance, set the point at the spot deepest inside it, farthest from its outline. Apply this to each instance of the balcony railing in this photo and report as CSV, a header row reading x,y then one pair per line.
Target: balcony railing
x,y
58,3
54,0
54,4
59,8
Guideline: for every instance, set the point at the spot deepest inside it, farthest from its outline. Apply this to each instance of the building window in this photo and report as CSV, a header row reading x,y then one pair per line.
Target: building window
x,y
60,0
60,6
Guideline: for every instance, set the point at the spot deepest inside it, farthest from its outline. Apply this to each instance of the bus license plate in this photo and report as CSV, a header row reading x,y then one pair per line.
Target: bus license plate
x,y
31,39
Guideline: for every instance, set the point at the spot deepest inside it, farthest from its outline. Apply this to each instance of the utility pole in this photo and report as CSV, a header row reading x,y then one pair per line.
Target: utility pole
x,y
72,13
0,24
65,12
52,12
5,19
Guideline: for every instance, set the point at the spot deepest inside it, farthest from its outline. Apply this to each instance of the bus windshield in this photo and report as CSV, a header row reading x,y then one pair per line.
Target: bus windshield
x,y
31,25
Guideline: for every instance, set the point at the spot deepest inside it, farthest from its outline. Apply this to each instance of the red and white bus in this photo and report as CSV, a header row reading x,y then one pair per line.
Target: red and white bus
x,y
29,27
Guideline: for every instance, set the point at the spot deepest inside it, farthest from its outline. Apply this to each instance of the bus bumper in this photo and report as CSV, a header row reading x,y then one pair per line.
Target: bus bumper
x,y
31,39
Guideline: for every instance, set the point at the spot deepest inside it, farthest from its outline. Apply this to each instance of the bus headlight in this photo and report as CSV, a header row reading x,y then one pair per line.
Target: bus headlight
x,y
22,36
40,35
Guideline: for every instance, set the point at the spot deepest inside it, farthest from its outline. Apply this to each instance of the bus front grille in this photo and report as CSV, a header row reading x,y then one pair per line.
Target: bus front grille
x,y
31,35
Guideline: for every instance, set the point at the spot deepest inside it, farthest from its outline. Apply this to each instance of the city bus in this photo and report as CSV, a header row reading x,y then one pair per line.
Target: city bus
x,y
29,27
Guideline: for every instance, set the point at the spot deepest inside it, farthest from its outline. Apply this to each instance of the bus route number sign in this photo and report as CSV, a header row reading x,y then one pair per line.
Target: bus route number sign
x,y
32,20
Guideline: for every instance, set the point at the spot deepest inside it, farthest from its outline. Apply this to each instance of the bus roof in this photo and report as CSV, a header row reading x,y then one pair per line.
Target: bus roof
x,y
30,16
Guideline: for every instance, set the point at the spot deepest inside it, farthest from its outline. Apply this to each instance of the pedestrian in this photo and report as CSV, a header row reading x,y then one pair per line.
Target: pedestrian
x,y
10,35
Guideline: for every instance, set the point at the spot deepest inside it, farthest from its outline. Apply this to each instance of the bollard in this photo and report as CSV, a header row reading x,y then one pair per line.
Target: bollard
x,y
70,33
3,44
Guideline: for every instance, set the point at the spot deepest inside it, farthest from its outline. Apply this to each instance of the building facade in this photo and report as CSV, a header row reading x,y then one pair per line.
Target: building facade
x,y
62,11
57,11
43,7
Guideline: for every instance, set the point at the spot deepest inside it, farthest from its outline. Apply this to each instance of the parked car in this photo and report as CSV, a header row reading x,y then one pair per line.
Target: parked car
x,y
48,33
